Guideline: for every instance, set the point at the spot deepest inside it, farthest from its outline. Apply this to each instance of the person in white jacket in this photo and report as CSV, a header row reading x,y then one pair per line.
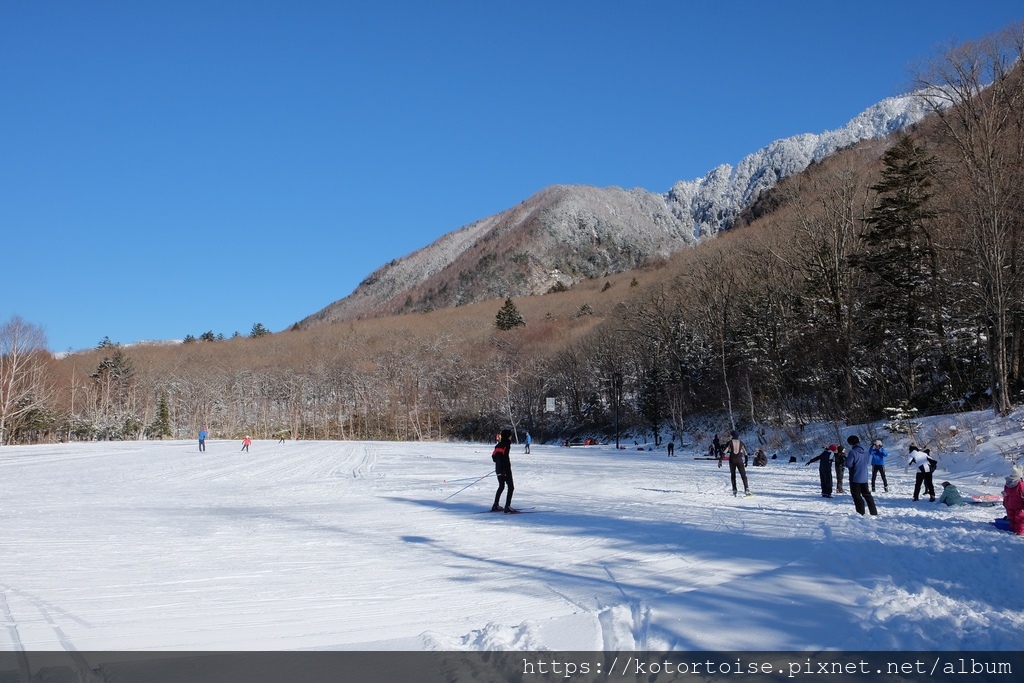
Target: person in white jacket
x,y
925,464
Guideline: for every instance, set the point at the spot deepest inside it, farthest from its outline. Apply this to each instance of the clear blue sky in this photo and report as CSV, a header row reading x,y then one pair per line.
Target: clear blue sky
x,y
173,167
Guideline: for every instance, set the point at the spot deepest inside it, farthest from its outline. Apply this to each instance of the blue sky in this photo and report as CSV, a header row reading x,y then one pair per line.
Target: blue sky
x,y
172,168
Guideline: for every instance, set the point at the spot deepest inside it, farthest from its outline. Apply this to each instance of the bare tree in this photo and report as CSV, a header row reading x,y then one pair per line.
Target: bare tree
x,y
975,91
23,385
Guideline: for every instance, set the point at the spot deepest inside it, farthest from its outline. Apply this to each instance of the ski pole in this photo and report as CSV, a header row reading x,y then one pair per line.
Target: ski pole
x,y
449,481
467,486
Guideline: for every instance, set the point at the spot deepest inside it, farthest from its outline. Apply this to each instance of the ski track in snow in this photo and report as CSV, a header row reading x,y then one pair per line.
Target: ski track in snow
x,y
347,545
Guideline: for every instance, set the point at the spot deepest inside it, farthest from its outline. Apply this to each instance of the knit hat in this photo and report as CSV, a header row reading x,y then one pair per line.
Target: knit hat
x,y
1015,476
853,439
833,447
734,434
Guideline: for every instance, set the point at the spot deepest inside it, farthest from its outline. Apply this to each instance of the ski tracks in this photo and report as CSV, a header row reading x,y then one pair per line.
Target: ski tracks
x,y
31,603
625,626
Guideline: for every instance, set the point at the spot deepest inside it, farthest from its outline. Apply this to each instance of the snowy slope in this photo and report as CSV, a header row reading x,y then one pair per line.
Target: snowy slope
x,y
344,545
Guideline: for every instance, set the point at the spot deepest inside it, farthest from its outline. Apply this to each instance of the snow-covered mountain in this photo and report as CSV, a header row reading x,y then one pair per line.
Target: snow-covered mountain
x,y
567,233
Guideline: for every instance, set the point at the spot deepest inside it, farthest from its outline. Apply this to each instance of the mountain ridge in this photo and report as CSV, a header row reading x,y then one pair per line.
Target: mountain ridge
x,y
565,233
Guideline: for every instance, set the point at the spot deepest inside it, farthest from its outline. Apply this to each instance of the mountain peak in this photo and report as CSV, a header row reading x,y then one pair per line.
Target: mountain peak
x,y
566,233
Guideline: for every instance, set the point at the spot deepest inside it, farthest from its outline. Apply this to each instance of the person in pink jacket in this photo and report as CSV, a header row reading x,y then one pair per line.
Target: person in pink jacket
x,y
1013,500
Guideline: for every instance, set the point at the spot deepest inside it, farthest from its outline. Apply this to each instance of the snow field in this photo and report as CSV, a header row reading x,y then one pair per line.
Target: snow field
x,y
348,545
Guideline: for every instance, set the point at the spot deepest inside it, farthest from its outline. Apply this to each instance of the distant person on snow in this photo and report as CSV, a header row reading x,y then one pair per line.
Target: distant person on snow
x,y
671,449
878,456
246,442
736,450
1013,500
824,460
202,440
840,460
529,440
503,468
760,459
859,463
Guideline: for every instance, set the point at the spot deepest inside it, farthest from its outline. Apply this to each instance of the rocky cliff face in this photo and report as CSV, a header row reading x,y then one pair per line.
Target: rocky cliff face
x,y
567,233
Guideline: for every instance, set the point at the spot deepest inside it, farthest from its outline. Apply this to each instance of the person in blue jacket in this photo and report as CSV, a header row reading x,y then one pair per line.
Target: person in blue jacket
x,y
858,462
529,440
878,456
202,440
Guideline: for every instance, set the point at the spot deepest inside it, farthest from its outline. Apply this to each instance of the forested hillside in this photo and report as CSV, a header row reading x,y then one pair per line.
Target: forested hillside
x,y
887,275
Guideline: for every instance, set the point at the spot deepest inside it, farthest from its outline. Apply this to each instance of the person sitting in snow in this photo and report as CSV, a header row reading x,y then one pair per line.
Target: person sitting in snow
x,y
950,495
1013,500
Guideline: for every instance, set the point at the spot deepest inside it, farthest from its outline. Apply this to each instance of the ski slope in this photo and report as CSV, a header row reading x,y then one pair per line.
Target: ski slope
x,y
348,545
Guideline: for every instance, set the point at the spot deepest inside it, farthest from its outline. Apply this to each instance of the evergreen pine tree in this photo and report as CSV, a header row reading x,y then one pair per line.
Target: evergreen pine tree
x,y
509,316
161,425
258,331
901,259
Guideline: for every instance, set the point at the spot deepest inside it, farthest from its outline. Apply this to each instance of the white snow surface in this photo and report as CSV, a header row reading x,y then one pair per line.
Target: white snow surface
x,y
351,545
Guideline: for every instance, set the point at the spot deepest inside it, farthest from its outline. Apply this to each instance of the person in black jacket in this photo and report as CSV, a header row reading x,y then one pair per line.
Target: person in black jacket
x,y
503,468
840,460
824,460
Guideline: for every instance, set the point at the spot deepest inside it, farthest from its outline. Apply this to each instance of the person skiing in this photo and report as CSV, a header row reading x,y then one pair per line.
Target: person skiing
x,y
858,462
840,460
246,442
824,460
529,440
736,450
202,440
878,456
926,464
503,468
1013,500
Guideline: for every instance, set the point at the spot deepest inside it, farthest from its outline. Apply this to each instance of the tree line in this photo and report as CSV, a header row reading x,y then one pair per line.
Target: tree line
x,y
887,275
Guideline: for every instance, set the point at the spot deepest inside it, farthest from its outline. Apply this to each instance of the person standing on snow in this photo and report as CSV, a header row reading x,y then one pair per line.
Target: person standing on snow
x,y
859,463
1013,500
736,450
529,440
503,468
202,440
878,456
925,464
246,442
840,459
824,460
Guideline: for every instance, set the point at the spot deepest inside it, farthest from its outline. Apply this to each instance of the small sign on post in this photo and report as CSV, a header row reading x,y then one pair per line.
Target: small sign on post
x,y
549,404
